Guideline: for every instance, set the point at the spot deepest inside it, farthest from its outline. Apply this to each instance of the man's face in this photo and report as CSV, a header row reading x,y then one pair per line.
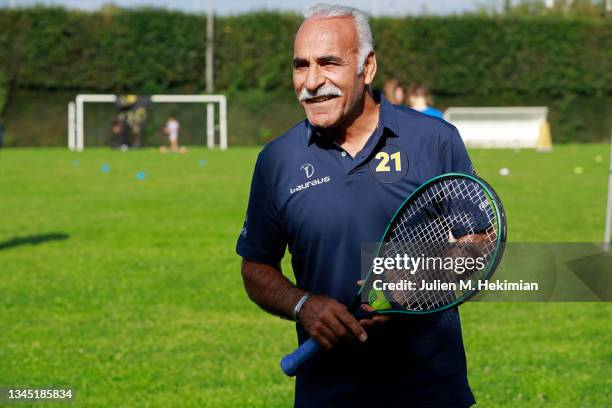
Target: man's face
x,y
325,70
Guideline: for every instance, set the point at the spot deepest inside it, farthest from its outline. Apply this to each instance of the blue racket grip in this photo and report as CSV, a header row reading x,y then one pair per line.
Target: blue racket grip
x,y
292,362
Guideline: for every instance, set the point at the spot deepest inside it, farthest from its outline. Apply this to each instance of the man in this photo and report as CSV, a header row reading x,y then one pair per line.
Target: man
x,y
329,184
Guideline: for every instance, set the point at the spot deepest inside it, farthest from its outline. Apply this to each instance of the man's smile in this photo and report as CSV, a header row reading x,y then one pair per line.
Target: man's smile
x,y
320,99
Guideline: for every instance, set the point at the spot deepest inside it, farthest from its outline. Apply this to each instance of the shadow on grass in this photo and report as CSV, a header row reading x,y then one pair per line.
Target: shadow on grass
x,y
33,240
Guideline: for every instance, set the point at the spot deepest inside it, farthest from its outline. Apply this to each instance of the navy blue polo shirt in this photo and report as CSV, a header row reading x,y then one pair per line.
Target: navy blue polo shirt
x,y
311,196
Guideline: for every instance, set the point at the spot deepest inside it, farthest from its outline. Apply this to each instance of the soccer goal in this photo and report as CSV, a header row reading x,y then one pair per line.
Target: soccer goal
x,y
502,127
209,105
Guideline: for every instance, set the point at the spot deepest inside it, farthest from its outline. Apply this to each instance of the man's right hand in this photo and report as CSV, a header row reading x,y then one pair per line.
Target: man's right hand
x,y
329,322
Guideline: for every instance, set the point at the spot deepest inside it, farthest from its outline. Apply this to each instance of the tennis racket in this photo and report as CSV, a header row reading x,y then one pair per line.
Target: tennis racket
x,y
448,219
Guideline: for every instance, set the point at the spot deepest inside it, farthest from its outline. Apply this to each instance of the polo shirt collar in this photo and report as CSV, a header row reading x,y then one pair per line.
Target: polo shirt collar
x,y
387,119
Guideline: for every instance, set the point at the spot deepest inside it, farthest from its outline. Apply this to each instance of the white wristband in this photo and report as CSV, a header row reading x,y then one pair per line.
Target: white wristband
x,y
298,307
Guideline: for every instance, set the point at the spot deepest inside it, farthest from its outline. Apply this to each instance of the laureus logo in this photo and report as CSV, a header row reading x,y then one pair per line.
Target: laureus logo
x,y
308,169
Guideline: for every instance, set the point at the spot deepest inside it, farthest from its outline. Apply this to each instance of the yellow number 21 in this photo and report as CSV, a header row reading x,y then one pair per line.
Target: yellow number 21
x,y
384,161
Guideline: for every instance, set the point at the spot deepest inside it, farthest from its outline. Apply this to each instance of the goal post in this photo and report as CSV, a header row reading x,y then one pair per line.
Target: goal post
x,y
79,116
71,125
76,115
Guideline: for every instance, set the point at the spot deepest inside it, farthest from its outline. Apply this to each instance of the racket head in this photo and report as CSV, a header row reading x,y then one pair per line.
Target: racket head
x,y
446,207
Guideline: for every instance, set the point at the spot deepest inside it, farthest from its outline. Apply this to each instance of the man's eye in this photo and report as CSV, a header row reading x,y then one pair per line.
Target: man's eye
x,y
299,64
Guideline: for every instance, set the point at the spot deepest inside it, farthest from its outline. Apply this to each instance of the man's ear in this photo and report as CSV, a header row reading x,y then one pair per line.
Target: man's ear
x,y
369,69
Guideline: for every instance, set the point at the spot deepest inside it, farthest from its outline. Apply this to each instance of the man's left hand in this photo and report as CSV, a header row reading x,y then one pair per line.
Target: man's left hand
x,y
374,319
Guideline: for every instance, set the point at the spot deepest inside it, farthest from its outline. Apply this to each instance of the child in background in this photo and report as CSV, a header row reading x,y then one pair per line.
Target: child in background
x,y
394,91
172,129
420,99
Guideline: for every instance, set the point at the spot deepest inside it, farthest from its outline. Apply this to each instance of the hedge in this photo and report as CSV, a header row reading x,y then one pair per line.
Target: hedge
x,y
494,56
150,50
564,63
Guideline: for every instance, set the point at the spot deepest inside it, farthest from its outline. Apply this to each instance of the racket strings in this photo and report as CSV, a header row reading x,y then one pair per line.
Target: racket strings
x,y
449,210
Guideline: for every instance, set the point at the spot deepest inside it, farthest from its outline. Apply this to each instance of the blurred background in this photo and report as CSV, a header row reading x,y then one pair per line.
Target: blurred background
x,y
468,53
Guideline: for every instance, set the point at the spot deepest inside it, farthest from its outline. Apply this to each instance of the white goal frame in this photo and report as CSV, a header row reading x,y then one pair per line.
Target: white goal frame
x,y
502,127
76,115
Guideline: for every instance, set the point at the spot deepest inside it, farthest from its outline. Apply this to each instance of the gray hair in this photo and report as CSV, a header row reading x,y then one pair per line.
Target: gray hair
x,y
365,42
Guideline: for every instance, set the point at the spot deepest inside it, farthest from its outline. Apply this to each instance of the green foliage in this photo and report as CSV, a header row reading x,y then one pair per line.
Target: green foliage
x,y
557,60
254,51
486,56
145,50
149,50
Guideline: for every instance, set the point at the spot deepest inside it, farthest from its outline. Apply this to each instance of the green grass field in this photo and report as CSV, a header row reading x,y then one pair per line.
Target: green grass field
x,y
129,290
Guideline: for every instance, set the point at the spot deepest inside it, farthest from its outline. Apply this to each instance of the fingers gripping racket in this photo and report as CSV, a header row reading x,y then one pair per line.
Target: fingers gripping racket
x,y
448,218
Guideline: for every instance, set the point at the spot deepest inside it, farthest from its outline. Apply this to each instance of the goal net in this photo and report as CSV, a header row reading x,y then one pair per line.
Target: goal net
x,y
115,120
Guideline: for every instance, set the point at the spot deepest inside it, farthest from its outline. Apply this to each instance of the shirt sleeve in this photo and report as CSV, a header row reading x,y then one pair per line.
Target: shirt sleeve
x,y
261,239
455,158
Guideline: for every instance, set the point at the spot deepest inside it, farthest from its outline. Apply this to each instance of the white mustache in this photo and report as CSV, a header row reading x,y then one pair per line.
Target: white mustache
x,y
324,90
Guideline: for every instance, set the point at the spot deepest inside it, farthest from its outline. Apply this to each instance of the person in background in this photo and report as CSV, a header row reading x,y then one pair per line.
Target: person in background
x,y
420,99
172,129
394,91
120,133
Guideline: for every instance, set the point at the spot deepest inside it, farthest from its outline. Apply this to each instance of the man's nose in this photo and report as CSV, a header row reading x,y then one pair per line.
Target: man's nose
x,y
314,78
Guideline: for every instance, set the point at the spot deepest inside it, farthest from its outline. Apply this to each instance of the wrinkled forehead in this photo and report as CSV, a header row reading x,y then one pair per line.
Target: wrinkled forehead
x,y
317,37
